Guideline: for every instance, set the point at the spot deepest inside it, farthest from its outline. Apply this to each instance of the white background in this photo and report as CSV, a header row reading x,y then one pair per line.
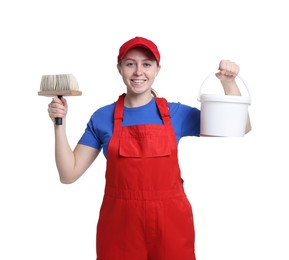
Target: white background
x,y
237,186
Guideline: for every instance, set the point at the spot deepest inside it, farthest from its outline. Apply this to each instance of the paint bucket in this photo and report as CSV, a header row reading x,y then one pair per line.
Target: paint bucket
x,y
223,115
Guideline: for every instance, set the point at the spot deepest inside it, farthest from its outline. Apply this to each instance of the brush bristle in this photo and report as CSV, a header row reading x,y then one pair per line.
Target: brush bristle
x,y
61,82
59,85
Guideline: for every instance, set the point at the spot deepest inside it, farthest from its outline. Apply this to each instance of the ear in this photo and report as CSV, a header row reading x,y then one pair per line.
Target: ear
x,y
118,68
158,70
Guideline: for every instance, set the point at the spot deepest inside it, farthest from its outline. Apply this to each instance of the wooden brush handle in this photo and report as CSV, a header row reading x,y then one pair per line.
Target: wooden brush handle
x,y
58,120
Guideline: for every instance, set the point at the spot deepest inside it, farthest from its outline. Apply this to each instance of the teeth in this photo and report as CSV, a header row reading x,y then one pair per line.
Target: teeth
x,y
137,80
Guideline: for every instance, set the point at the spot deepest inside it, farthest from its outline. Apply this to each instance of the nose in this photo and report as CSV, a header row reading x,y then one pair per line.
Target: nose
x,y
138,70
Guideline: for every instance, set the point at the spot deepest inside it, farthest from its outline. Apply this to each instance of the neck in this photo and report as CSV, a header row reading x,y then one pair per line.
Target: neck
x,y
137,100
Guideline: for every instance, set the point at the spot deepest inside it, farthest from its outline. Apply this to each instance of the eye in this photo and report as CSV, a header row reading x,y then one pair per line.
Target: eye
x,y
147,65
129,64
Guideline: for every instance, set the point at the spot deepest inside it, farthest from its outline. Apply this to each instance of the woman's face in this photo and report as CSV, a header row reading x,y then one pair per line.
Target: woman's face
x,y
138,69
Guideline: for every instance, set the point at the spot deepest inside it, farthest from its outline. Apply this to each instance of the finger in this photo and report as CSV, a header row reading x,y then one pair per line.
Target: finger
x,y
56,112
229,68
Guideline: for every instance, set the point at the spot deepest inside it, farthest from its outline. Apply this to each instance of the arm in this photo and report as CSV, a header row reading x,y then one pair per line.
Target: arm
x,y
71,164
228,71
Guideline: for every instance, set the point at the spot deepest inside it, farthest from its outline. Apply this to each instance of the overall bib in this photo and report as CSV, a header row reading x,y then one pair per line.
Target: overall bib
x,y
145,214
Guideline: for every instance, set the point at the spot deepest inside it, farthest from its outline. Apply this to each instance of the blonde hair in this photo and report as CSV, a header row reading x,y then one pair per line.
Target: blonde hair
x,y
154,93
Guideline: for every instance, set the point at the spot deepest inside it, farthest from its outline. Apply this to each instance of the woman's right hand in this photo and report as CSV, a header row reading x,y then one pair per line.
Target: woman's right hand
x,y
57,108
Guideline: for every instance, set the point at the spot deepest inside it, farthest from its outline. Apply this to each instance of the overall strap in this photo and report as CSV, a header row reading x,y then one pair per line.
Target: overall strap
x,y
163,107
118,112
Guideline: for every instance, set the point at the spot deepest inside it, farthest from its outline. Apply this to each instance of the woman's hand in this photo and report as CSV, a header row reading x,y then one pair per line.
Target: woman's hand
x,y
228,70
57,108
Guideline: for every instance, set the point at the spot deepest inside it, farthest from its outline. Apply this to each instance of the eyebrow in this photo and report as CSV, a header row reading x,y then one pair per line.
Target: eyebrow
x,y
126,59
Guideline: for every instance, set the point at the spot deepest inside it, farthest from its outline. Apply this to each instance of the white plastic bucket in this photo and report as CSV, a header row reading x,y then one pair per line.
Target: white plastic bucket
x,y
223,115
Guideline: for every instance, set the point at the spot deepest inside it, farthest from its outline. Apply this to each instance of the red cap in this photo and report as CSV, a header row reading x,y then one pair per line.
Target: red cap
x,y
138,42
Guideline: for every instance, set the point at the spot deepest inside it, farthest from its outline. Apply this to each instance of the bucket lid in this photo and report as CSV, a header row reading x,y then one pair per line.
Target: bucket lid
x,y
225,98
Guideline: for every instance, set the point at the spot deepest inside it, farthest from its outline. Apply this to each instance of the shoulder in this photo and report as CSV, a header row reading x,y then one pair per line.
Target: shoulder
x,y
185,119
105,110
179,108
102,116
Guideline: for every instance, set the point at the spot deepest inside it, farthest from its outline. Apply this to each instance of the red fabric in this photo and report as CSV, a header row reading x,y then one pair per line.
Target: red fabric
x,y
138,42
145,214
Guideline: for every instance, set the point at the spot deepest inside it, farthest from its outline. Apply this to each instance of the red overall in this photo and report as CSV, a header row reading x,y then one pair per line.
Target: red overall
x,y
145,214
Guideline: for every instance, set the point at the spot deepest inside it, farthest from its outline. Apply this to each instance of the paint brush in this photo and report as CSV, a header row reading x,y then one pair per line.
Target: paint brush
x,y
59,85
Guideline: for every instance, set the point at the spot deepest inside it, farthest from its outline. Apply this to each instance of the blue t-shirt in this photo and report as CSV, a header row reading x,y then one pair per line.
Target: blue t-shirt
x,y
185,121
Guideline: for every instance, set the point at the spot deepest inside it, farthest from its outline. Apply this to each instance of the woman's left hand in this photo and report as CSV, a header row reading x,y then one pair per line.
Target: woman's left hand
x,y
228,70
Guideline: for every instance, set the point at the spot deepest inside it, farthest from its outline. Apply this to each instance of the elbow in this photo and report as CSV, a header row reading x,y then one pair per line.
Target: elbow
x,y
248,125
248,129
64,180
68,176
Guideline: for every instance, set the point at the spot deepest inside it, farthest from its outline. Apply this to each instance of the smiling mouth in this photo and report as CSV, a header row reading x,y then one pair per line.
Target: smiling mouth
x,y
138,80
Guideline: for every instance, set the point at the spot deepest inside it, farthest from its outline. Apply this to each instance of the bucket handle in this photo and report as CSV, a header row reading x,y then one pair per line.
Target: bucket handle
x,y
213,73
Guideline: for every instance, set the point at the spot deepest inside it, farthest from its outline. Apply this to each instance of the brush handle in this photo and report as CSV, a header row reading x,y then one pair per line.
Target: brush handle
x,y
58,120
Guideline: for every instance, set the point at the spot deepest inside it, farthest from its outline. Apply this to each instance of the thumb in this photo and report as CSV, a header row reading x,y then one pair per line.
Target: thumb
x,y
219,74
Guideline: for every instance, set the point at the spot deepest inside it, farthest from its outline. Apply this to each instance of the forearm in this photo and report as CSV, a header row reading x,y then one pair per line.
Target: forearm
x,y
64,157
230,87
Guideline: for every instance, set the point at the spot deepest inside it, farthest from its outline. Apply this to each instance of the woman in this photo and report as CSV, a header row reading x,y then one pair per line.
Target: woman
x,y
145,213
